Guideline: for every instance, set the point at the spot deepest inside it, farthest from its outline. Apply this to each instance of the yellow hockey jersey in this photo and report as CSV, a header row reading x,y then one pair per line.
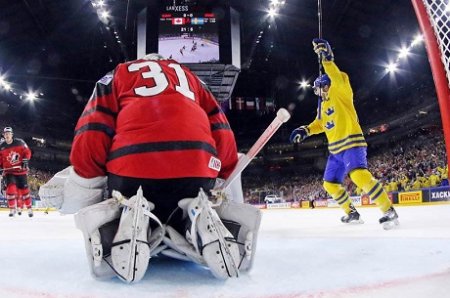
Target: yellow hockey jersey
x,y
338,118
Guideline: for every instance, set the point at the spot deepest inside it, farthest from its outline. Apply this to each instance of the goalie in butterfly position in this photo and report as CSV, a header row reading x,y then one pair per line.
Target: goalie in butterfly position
x,y
336,116
152,130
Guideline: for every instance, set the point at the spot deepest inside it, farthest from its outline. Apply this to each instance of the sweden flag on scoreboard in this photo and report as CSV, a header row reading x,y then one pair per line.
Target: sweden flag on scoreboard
x,y
198,21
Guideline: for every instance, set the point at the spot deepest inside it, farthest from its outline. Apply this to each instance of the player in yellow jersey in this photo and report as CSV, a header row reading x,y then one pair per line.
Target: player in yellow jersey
x,y
337,118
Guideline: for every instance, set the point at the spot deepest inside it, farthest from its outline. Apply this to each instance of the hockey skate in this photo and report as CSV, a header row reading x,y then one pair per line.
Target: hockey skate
x,y
353,217
30,212
390,219
19,211
12,212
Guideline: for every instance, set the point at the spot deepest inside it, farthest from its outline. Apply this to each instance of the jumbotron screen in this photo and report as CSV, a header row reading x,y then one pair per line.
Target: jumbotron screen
x,y
189,37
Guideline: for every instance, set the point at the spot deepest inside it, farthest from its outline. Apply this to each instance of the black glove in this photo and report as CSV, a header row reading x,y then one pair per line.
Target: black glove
x,y
299,134
25,164
323,49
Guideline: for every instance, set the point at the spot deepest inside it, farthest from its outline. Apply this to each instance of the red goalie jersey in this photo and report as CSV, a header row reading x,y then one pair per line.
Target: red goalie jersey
x,y
153,119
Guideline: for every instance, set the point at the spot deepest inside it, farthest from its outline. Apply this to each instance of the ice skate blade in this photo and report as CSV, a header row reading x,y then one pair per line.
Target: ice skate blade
x,y
389,225
354,222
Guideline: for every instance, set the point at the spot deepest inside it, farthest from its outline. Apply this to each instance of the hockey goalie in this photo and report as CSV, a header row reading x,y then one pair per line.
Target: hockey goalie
x,y
147,150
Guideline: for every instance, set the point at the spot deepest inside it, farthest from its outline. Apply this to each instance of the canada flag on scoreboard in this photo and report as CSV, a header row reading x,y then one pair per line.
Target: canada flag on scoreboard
x,y
178,21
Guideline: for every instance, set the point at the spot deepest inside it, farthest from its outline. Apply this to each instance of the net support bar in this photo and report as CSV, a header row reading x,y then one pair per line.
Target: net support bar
x,y
437,69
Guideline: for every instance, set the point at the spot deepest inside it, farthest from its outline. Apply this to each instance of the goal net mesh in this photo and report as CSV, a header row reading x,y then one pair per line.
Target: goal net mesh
x,y
439,15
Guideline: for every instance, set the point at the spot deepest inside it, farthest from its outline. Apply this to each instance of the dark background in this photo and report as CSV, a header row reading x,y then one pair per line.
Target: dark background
x,y
61,48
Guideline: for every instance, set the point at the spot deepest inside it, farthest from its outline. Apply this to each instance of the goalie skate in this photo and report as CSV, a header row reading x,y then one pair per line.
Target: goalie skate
x,y
389,219
211,239
131,249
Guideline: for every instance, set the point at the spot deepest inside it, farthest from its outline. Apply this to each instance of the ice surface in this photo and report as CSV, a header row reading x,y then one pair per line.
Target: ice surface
x,y
301,253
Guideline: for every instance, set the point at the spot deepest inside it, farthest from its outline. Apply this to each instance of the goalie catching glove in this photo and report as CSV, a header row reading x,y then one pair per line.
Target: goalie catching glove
x,y
299,134
323,49
69,192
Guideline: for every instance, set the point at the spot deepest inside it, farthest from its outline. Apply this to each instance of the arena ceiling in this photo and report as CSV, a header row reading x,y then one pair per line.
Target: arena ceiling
x,y
62,48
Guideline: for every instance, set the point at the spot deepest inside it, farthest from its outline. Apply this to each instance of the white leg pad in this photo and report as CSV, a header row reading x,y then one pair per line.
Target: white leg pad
x,y
246,219
89,220
131,248
207,242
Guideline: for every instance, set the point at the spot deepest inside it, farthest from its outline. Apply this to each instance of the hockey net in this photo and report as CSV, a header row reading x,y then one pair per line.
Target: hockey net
x,y
434,21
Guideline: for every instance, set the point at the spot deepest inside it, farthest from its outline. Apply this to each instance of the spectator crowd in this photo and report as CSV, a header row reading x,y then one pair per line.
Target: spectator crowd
x,y
413,163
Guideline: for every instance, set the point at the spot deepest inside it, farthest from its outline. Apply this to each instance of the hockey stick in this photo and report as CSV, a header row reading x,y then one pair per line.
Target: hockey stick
x,y
11,168
282,116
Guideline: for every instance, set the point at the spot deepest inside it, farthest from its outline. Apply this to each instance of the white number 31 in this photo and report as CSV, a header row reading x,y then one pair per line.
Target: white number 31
x,y
156,73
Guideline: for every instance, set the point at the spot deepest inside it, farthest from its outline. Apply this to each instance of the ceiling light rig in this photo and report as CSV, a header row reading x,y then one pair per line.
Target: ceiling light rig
x,y
6,86
104,15
404,53
272,12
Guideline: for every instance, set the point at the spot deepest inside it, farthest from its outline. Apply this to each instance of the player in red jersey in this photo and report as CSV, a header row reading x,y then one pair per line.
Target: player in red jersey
x,y
14,158
151,128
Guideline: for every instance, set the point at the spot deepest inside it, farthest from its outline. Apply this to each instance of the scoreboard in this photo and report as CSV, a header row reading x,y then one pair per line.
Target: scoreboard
x,y
189,35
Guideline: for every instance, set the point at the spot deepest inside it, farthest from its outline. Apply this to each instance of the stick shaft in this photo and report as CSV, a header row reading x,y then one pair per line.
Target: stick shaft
x,y
254,150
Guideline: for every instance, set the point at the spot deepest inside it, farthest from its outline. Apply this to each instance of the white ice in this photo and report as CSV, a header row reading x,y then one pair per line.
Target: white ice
x,y
300,253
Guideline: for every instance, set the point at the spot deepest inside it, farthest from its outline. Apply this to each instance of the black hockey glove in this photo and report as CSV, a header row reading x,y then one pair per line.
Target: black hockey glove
x,y
299,134
25,164
323,49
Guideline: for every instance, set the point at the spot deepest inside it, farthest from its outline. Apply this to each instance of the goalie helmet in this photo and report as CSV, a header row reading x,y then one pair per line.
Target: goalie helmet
x,y
322,81
153,56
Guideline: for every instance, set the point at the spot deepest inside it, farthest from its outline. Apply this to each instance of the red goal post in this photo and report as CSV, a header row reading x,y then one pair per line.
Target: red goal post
x,y
434,21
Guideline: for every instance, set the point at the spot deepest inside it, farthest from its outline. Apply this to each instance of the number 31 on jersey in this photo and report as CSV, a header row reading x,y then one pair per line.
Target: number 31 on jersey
x,y
161,83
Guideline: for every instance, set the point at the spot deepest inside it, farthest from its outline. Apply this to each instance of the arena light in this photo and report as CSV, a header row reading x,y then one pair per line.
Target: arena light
x,y
304,84
404,52
6,86
104,14
31,96
392,67
418,39
272,12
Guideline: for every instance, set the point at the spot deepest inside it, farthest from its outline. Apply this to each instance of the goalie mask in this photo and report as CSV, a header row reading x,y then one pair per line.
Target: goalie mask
x,y
153,57
322,85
